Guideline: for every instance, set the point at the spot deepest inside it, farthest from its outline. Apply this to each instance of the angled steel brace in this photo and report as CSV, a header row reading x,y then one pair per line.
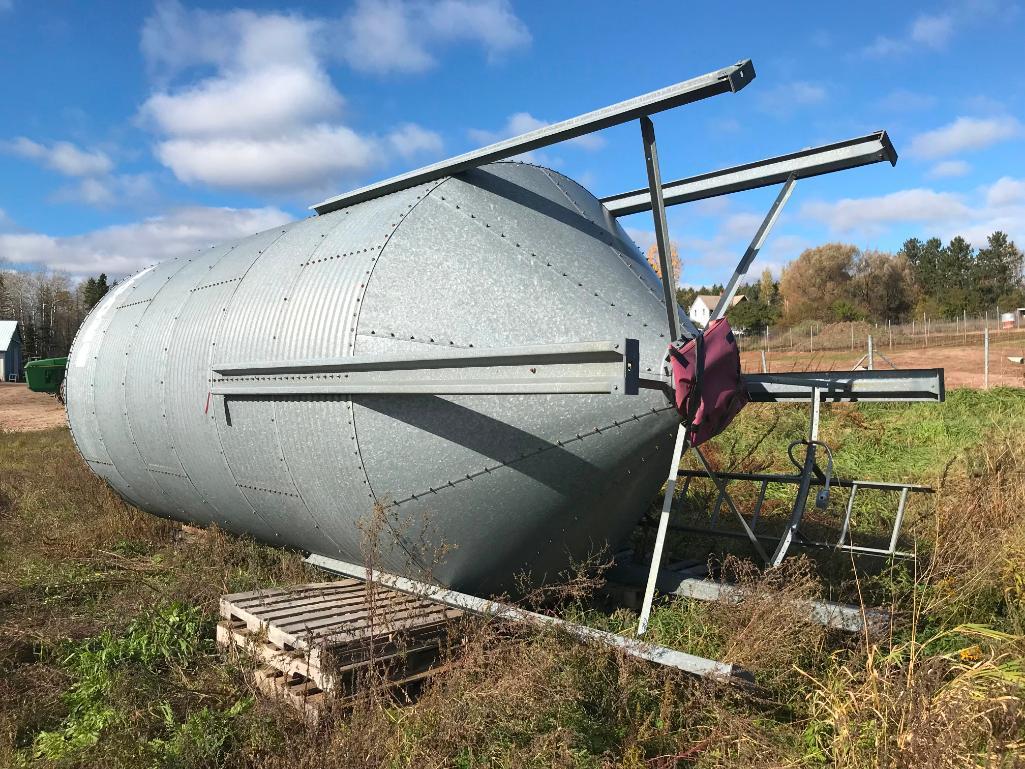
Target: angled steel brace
x,y
838,156
663,525
658,212
721,486
727,80
755,246
633,647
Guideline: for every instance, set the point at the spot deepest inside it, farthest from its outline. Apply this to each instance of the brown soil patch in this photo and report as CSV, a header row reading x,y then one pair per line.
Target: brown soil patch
x,y
22,410
962,364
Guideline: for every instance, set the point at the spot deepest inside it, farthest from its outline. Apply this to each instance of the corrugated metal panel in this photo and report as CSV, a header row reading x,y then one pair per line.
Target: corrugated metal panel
x,y
146,385
518,257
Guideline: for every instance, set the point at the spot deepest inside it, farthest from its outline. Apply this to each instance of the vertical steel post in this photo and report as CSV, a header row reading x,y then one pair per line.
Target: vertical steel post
x,y
985,356
765,369
807,472
871,360
658,214
663,526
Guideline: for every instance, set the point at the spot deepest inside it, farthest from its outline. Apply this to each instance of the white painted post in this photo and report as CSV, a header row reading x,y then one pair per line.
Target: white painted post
x,y
663,526
871,360
985,356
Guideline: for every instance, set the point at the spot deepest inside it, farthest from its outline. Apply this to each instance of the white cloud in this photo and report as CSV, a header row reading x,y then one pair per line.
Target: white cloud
x,y
1006,191
998,206
783,98
386,36
870,214
116,190
947,169
304,158
933,31
903,100
965,133
523,122
63,157
410,140
265,101
884,46
267,118
123,249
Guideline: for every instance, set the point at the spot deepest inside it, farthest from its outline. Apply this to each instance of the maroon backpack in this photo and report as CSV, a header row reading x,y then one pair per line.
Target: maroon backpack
x,y
706,375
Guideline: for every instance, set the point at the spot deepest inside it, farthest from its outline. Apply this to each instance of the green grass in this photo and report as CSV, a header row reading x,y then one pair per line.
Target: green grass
x,y
107,657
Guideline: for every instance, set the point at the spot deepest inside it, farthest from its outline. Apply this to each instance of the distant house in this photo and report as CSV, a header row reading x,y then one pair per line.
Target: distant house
x,y
10,351
704,305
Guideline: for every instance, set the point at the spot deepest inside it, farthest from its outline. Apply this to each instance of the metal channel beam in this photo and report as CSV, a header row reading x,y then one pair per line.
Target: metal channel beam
x,y
726,300
661,655
726,80
816,161
901,385
831,614
583,367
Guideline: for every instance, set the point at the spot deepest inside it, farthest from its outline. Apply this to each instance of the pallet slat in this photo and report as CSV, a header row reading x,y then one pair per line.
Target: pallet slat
x,y
314,642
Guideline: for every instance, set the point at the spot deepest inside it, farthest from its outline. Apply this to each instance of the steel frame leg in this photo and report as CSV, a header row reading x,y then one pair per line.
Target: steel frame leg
x,y
663,526
797,513
724,494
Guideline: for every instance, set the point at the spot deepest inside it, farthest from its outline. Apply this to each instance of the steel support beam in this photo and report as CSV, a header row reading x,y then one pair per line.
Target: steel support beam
x,y
752,250
584,367
658,212
848,386
660,655
727,80
816,161
830,614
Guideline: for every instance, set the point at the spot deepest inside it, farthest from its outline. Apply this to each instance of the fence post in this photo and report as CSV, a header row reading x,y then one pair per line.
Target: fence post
x,y
871,360
889,331
985,355
811,338
765,368
852,336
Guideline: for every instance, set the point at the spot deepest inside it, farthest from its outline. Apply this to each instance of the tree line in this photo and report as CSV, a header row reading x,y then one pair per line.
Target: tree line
x,y
839,282
49,308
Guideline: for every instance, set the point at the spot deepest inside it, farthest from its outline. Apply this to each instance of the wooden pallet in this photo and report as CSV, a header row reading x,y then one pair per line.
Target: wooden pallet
x,y
317,642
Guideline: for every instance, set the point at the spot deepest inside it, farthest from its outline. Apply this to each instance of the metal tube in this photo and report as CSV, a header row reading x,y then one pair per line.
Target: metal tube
x,y
899,520
660,537
729,79
658,213
807,473
847,515
985,356
753,248
807,163
729,501
661,655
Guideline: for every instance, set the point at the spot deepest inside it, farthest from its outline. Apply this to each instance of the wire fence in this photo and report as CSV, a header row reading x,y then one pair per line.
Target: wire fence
x,y
921,332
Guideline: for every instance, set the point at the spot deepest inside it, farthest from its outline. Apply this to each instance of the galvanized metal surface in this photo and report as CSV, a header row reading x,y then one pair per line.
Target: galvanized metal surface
x,y
502,256
726,80
837,156
926,384
661,655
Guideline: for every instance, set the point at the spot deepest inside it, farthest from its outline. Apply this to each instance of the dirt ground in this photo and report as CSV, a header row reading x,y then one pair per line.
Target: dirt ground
x,y
22,410
963,365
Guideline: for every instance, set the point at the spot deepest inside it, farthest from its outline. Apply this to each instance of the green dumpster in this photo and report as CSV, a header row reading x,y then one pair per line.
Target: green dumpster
x,y
46,375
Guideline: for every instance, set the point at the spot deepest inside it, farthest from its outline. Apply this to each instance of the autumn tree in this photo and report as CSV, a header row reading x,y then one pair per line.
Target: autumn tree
x,y
652,256
817,283
883,286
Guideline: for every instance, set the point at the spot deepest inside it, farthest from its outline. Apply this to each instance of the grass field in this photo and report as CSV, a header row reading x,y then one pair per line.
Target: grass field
x,y
107,615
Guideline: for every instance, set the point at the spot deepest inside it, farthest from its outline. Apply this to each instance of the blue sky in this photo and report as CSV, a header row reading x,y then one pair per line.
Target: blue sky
x,y
132,131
